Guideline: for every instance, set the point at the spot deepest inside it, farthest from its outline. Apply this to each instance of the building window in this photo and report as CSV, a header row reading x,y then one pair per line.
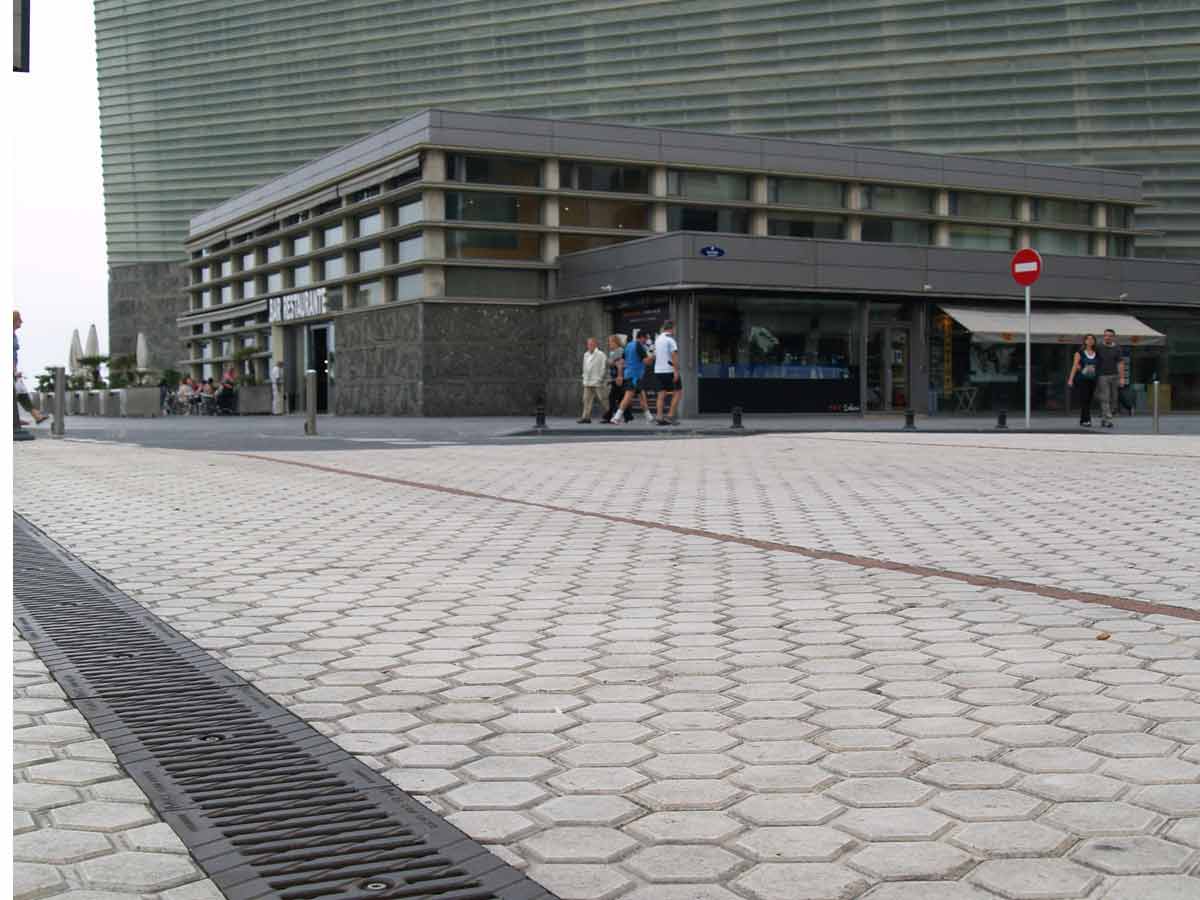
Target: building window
x,y
205,299
581,213
1062,212
248,261
334,234
408,213
492,245
334,267
521,284
492,208
573,243
274,251
892,198
227,293
981,237
370,258
368,293
692,218
363,194
707,185
494,170
410,286
982,206
896,231
301,244
201,275
301,276
225,268
805,192
1120,217
1120,245
247,288
274,282
1065,243
410,249
370,224
808,226
582,176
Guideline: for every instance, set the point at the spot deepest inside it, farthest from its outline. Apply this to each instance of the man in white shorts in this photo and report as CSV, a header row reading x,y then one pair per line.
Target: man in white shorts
x,y
666,373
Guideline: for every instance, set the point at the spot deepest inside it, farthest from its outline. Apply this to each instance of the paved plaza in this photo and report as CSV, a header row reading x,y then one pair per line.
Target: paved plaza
x,y
775,667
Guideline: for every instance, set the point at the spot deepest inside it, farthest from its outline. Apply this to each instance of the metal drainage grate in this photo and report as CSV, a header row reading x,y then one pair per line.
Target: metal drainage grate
x,y
268,806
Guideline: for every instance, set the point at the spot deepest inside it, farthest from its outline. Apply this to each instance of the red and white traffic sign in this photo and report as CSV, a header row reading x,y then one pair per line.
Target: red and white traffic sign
x,y
1026,266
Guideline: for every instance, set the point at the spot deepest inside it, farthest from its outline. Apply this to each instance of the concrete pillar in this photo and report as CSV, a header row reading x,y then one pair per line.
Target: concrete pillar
x,y
1099,238
433,165
549,246
433,205
658,188
658,219
854,228
550,173
687,335
758,194
854,200
435,281
941,230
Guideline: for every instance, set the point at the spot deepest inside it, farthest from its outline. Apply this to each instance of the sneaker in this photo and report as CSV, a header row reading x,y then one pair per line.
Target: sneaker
x,y
649,418
1087,424
583,421
672,421
618,419
661,422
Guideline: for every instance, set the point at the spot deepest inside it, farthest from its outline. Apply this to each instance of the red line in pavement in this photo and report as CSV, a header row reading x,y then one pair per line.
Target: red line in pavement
x,y
863,562
1071,450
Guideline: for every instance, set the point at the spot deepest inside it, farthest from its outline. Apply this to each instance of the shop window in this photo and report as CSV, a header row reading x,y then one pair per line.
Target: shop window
x,y
494,170
807,226
408,213
301,276
693,218
583,176
301,244
1062,212
587,213
897,231
334,234
469,207
370,258
893,198
981,237
806,192
274,251
410,249
369,224
696,185
573,243
971,205
368,293
247,288
1065,243
333,267
410,286
492,245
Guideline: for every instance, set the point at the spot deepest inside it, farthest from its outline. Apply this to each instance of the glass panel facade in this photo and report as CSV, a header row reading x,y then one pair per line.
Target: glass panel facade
x,y
494,170
370,258
369,224
461,244
1062,212
707,185
1067,243
410,286
334,267
806,192
274,251
693,218
573,243
301,244
982,206
583,176
274,282
898,231
982,237
588,213
301,276
368,293
410,249
810,225
205,299
203,274
334,234
892,198
1120,245
407,213
1120,217
492,208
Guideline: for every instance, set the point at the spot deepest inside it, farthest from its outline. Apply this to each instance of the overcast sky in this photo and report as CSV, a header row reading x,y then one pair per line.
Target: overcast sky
x,y
60,271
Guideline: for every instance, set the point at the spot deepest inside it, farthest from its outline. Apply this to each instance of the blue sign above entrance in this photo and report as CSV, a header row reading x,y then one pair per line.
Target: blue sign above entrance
x,y
712,251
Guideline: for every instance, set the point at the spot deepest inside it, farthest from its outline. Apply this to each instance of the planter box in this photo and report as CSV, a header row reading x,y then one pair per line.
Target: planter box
x,y
141,403
254,400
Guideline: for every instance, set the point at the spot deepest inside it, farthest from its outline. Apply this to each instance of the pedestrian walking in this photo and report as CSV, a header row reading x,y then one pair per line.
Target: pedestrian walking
x,y
1086,370
616,378
277,388
666,373
633,374
21,399
595,366
1111,376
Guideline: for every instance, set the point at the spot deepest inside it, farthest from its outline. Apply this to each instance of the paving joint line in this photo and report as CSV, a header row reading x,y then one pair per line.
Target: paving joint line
x,y
863,562
1072,450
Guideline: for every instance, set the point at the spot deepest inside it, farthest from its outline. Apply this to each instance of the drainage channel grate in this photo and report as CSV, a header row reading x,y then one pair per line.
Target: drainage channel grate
x,y
268,806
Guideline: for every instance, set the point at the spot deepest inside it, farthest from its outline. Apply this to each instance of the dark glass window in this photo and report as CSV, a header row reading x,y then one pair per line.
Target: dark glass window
x,y
368,293
1120,245
582,176
693,218
573,243
892,198
982,237
805,192
808,226
896,231
1120,217
1065,243
1062,212
494,170
707,185
470,207
982,206
492,245
588,213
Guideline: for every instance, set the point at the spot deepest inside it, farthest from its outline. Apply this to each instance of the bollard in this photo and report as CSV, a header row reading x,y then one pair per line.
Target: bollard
x,y
1002,420
539,417
737,417
60,402
909,420
310,402
1156,405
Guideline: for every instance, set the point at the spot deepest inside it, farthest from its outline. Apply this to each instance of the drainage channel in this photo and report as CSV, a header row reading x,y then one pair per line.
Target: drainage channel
x,y
267,806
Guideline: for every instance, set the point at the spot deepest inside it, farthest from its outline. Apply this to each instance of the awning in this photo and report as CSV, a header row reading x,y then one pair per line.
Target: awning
x,y
1006,325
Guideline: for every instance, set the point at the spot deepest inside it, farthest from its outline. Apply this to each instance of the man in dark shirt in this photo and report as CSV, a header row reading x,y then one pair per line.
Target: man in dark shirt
x,y
1112,376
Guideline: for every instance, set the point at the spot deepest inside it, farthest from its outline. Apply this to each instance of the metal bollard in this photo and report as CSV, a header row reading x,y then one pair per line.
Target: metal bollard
x,y
910,420
737,417
1002,420
310,402
539,417
60,402
1156,405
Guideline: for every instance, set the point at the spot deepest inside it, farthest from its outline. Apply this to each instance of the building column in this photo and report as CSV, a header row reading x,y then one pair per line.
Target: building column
x,y
918,357
433,165
686,316
941,230
658,188
854,198
549,217
1025,214
758,194
1099,238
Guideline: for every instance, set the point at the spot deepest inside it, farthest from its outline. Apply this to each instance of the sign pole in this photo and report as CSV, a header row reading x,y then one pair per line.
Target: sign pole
x,y
1028,355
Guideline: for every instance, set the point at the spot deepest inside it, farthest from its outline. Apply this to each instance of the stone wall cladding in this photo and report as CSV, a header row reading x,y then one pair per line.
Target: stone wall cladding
x,y
147,297
565,330
481,359
379,362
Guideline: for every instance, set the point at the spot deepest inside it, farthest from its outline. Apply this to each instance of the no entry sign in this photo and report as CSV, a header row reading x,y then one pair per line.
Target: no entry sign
x,y
1026,266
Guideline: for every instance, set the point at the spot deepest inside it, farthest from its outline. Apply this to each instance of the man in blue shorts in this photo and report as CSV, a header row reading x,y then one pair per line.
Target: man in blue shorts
x,y
636,358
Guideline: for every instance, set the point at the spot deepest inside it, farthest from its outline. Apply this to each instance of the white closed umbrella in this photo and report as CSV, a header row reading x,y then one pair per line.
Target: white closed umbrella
x,y
74,354
143,353
92,347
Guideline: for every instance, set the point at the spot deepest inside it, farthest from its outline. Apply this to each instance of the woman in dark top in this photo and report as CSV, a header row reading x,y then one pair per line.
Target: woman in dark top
x,y
1085,369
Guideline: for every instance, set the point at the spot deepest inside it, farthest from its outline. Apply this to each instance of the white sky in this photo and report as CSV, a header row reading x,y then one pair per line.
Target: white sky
x,y
59,263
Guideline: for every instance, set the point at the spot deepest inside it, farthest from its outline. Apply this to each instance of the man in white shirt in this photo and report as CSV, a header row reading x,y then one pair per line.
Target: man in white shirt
x,y
277,388
595,368
666,373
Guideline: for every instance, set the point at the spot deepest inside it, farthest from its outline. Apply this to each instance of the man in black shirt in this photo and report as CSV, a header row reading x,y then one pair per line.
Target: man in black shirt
x,y
1112,376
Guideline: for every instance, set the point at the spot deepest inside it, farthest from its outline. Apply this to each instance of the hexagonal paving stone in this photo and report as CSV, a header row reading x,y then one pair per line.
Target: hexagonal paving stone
x,y
925,890
908,861
98,815
880,792
496,795
1045,760
432,756
987,806
997,840
1127,745
1035,879
579,844
896,824
689,765
132,870
1153,887
493,826
509,768
968,774
59,846
685,826
158,837
786,809
1101,818
422,781
801,881
31,880
41,797
1072,788
597,780
687,793
864,763
74,772
794,844
611,753
581,882
1133,855
777,752
681,863
582,809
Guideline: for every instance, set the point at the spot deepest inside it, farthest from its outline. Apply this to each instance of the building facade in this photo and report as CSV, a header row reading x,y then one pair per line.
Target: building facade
x,y
454,263
201,101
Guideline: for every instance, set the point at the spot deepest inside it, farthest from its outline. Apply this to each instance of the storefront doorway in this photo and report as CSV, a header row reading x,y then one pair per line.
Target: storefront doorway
x,y
320,357
888,367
